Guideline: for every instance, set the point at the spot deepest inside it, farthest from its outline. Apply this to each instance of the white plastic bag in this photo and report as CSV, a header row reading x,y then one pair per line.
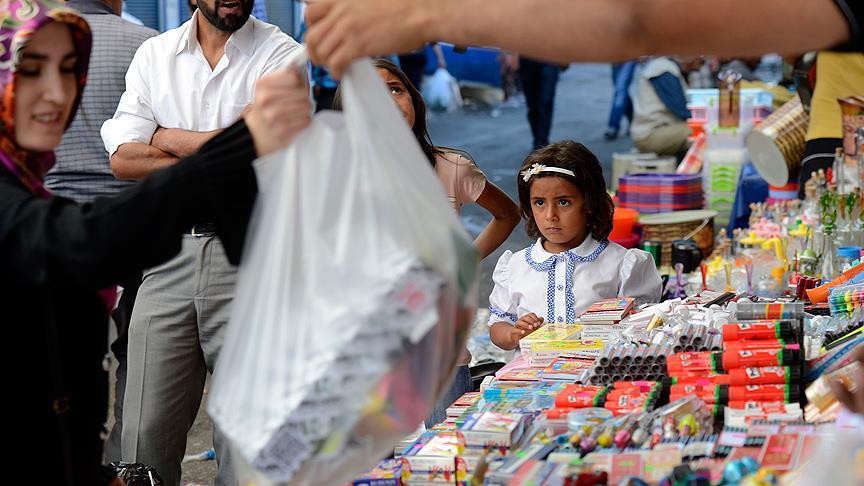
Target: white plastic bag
x,y
354,297
441,91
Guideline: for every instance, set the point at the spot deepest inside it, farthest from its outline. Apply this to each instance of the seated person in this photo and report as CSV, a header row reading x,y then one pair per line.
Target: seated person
x,y
660,109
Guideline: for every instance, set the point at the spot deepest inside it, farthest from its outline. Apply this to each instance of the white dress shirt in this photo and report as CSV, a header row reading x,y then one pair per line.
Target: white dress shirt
x,y
170,84
559,287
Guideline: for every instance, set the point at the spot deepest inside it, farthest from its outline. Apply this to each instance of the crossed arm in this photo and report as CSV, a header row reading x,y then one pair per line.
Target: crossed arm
x,y
137,160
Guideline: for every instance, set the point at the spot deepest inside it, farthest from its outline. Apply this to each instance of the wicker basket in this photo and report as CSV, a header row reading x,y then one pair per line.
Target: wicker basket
x,y
697,225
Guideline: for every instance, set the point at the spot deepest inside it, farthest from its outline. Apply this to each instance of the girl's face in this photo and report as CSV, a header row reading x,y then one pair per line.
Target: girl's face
x,y
400,94
46,88
558,208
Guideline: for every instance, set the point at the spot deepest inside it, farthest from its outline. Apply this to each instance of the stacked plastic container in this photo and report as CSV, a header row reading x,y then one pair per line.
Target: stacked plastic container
x,y
725,155
660,193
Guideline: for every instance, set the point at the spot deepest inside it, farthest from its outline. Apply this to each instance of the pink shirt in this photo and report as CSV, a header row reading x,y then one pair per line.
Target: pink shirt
x,y
463,181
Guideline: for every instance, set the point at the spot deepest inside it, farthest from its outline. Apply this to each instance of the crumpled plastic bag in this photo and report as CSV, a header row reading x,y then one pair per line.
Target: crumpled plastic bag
x,y
441,91
354,297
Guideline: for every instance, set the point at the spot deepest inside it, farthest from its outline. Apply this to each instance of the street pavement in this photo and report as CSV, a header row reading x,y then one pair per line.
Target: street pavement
x,y
498,140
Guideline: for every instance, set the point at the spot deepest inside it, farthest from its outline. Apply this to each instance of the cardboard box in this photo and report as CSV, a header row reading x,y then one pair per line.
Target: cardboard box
x,y
493,429
434,458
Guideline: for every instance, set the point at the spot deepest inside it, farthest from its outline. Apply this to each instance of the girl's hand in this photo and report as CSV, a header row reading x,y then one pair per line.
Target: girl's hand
x,y
523,327
528,323
506,335
280,110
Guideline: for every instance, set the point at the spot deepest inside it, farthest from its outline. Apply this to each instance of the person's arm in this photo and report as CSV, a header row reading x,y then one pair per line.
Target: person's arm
x,y
565,31
506,335
505,217
137,160
127,135
96,244
505,327
639,277
669,90
179,142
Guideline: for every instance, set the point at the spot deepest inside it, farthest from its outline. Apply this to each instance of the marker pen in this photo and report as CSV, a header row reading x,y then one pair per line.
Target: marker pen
x,y
758,330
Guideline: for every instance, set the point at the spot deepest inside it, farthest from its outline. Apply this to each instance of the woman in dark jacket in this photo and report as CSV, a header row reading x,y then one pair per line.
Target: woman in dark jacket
x,y
55,255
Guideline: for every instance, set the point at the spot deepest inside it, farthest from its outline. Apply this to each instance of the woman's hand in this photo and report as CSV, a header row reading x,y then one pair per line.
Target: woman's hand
x,y
854,401
281,109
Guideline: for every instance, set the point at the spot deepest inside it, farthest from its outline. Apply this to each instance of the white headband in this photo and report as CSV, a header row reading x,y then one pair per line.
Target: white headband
x,y
535,169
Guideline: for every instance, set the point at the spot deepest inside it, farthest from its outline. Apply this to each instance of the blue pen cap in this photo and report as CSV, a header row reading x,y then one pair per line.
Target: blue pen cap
x,y
850,252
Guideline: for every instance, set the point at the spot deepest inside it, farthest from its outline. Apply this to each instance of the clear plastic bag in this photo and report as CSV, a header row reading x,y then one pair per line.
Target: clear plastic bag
x,y
354,298
441,91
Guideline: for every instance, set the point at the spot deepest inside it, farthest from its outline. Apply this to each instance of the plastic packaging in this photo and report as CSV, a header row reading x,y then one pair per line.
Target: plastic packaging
x,y
441,91
136,474
820,294
843,300
354,297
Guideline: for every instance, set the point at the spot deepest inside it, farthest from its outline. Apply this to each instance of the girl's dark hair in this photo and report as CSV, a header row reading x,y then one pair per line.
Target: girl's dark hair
x,y
419,127
575,157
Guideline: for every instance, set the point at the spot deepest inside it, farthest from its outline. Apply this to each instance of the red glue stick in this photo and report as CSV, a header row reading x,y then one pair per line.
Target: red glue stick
x,y
758,344
758,357
757,330
692,362
763,393
769,375
699,378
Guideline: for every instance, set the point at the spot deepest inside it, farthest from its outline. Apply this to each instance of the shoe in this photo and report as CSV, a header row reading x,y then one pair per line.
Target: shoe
x,y
610,135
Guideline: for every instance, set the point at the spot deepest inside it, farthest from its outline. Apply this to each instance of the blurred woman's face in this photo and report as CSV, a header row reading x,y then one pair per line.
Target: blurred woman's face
x,y
46,88
400,94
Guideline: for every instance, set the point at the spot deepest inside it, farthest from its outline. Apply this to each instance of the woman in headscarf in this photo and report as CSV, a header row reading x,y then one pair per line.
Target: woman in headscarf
x,y
55,256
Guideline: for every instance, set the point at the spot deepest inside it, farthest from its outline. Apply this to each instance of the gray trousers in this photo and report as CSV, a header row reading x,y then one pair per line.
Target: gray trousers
x,y
666,140
175,335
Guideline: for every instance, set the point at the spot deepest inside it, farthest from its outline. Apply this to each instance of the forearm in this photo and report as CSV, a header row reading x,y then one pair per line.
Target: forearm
x,y
505,217
599,30
136,160
494,235
179,142
501,335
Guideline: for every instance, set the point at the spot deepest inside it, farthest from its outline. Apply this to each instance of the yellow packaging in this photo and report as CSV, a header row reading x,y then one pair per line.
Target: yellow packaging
x,y
549,333
543,353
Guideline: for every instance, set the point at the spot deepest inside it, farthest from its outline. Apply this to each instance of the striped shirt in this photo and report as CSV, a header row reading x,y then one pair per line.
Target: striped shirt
x,y
83,171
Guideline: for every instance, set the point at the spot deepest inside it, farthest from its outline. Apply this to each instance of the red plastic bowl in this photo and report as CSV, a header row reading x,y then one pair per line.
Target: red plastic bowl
x,y
622,223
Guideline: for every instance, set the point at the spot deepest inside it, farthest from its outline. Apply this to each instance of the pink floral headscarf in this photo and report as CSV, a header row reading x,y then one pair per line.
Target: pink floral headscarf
x,y
19,20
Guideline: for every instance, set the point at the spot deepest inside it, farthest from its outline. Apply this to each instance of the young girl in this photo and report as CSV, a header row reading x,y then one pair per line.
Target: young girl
x,y
572,264
463,181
